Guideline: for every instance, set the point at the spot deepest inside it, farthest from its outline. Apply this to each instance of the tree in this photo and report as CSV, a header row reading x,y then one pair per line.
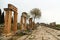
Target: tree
x,y
36,13
28,16
2,18
0,11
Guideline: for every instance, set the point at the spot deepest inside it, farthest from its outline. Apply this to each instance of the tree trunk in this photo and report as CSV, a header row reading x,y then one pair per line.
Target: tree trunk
x,y
34,19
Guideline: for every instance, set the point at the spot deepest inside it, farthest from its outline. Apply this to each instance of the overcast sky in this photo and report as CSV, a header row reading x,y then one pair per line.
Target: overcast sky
x,y
50,9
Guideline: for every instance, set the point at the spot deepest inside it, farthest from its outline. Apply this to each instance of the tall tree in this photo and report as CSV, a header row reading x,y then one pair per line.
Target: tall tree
x,y
36,13
0,12
2,18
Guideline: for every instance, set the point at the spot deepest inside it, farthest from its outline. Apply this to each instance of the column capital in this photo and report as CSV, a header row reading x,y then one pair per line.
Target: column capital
x,y
7,9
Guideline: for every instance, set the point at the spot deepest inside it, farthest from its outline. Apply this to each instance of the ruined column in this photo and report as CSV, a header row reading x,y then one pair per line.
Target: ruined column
x,y
33,25
7,28
30,23
15,22
23,23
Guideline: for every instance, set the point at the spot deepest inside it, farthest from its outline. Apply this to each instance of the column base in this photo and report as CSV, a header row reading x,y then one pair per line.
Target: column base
x,y
7,35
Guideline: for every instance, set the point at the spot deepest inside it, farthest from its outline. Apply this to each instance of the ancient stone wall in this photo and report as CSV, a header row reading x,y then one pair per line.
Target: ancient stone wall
x,y
53,24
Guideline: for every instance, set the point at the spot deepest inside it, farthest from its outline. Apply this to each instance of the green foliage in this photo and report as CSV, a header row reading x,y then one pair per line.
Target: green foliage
x,y
58,26
28,16
36,13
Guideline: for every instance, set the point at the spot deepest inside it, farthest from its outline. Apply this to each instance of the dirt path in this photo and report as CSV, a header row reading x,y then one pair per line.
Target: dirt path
x,y
42,33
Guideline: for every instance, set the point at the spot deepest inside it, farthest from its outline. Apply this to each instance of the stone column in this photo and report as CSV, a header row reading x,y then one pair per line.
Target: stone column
x,y
15,22
30,23
33,25
23,23
25,26
7,27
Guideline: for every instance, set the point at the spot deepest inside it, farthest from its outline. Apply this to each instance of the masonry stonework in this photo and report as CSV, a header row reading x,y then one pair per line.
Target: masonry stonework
x,y
7,21
7,28
23,22
30,24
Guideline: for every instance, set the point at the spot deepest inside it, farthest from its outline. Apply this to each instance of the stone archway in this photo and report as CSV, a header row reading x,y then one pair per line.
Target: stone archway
x,y
7,28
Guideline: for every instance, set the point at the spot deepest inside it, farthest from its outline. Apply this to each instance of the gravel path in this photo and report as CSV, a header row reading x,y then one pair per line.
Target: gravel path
x,y
42,33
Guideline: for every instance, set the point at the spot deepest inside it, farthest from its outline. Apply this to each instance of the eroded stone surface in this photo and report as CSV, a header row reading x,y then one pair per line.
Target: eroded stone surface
x,y
23,22
7,28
